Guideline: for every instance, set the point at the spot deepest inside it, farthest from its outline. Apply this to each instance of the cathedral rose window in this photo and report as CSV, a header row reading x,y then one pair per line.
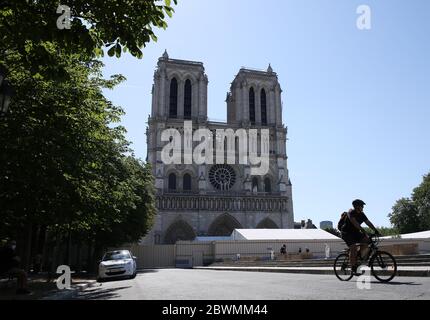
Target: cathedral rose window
x,y
222,176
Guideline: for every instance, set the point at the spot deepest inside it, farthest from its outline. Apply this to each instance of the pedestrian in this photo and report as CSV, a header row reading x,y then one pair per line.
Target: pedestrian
x,y
9,265
284,249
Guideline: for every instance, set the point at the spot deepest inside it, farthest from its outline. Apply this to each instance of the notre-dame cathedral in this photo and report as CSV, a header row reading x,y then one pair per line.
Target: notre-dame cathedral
x,y
195,200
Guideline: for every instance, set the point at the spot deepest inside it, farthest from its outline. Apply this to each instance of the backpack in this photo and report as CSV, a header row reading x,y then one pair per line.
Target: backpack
x,y
342,221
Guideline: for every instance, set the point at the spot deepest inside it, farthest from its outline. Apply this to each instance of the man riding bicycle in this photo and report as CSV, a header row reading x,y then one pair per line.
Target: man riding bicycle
x,y
353,233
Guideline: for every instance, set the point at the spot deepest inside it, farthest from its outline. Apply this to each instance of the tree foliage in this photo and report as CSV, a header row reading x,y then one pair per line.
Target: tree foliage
x,y
115,25
413,214
384,231
64,165
333,231
66,168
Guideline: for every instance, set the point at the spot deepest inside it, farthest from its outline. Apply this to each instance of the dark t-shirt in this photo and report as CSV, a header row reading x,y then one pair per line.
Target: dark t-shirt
x,y
359,217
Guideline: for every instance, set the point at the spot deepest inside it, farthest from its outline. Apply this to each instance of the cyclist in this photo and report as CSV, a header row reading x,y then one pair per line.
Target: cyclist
x,y
353,233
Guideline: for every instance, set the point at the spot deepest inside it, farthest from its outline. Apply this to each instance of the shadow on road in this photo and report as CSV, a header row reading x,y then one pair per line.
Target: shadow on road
x,y
397,283
100,294
146,271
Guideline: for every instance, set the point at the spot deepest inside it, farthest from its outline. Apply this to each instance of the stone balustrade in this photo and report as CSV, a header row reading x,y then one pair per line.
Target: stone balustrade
x,y
221,203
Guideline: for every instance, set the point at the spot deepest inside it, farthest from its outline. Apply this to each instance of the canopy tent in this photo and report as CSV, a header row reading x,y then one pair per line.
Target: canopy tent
x,y
415,235
212,238
282,234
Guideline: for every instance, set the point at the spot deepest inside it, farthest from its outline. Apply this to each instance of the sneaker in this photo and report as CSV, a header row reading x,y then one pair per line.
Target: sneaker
x,y
23,291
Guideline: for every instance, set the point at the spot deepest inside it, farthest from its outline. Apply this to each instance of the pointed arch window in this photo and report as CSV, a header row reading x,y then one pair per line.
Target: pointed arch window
x,y
254,185
263,107
187,182
267,185
173,103
172,181
187,99
252,106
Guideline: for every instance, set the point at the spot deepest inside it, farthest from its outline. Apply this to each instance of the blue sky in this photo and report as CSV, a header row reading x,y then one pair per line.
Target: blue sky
x,y
356,103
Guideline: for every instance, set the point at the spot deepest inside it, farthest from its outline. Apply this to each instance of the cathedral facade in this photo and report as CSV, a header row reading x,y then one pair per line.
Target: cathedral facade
x,y
213,199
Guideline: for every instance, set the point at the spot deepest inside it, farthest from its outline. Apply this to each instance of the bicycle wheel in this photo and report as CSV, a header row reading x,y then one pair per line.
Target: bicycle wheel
x,y
342,267
383,266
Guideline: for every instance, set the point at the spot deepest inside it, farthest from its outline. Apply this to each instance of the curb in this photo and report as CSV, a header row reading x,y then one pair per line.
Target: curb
x,y
400,273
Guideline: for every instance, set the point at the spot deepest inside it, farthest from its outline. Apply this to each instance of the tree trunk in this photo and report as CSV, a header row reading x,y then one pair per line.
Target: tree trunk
x,y
89,256
69,249
98,251
78,256
27,261
45,265
54,259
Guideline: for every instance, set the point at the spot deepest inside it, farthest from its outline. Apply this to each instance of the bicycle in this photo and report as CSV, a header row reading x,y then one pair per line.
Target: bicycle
x,y
382,264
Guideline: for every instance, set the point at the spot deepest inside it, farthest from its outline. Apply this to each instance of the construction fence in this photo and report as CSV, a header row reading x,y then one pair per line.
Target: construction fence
x,y
188,254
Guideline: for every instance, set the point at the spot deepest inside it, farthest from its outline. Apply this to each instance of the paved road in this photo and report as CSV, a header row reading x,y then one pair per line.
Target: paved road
x,y
180,284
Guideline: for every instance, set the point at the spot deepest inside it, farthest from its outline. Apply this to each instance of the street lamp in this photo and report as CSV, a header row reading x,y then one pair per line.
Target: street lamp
x,y
5,92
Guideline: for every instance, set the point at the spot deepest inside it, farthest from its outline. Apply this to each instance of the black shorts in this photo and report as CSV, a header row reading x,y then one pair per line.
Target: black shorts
x,y
353,237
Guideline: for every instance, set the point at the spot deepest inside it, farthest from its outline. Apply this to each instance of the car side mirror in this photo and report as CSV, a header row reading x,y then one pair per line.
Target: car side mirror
x,y
134,258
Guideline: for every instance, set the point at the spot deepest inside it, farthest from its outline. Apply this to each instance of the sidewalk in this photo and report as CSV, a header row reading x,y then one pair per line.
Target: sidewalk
x,y
423,271
43,290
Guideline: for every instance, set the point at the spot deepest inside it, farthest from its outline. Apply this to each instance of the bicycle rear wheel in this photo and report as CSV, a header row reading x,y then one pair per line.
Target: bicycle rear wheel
x,y
383,266
342,267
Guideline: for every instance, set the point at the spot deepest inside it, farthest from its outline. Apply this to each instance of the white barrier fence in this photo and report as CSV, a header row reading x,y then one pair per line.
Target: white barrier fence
x,y
186,254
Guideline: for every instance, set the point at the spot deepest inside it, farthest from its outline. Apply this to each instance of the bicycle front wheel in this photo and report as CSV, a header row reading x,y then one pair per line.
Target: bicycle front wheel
x,y
383,266
342,267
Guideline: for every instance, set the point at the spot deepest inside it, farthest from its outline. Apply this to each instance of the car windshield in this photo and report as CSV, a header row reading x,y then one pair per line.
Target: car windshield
x,y
116,255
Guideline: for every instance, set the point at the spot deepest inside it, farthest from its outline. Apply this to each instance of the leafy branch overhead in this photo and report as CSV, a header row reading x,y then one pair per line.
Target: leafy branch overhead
x,y
115,25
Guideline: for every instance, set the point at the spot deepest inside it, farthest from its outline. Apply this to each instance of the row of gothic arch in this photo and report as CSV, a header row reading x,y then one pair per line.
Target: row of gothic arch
x,y
186,182
173,99
173,102
265,186
222,226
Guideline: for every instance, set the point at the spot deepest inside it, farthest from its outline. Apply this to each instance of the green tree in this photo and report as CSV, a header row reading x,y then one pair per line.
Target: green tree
x,y
66,167
384,231
421,198
404,216
137,209
333,231
413,214
67,170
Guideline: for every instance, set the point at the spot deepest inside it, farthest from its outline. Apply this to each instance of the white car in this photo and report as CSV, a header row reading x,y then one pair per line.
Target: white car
x,y
120,263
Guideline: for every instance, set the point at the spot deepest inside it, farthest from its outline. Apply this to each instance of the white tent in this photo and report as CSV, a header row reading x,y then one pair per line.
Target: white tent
x,y
214,238
415,235
282,234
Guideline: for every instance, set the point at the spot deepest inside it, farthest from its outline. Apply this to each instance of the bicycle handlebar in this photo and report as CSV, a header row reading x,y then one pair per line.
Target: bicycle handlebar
x,y
374,237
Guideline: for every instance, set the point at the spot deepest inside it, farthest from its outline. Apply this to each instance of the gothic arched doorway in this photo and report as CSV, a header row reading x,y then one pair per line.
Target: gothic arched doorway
x,y
223,225
267,223
179,230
